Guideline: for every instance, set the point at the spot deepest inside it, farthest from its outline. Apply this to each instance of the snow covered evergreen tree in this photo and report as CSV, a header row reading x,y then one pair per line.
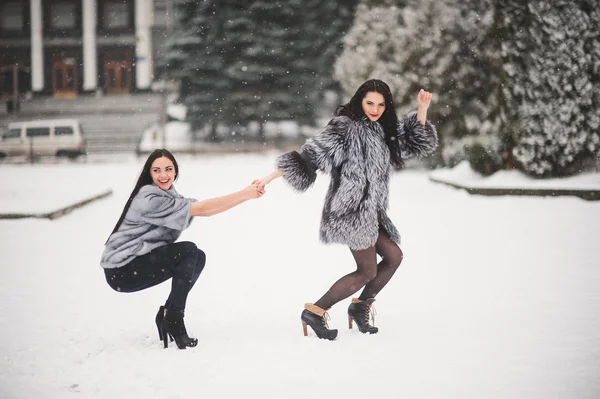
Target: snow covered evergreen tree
x,y
255,61
182,41
375,26
289,59
324,26
263,64
551,53
196,57
445,47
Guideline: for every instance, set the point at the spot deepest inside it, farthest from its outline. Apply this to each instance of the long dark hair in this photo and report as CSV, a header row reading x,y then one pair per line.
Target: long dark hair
x,y
144,179
388,120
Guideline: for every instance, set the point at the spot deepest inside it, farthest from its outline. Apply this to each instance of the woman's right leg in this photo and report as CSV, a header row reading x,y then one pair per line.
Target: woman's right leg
x,y
366,270
185,276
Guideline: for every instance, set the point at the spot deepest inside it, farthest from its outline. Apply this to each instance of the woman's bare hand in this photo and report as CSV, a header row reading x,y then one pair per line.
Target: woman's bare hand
x,y
254,190
424,99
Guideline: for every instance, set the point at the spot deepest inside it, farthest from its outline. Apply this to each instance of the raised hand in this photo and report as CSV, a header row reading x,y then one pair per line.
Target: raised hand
x,y
424,99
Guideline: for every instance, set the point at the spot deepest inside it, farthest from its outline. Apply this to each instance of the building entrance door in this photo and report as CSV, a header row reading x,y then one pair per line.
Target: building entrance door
x,y
64,77
117,73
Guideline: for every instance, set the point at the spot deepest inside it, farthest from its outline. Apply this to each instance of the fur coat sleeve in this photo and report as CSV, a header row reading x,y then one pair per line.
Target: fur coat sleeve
x,y
325,151
162,208
414,139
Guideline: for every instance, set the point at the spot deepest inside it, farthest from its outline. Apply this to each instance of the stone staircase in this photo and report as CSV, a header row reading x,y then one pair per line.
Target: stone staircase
x,y
110,123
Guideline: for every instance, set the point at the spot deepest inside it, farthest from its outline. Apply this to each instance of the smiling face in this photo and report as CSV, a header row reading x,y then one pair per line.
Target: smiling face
x,y
162,172
373,105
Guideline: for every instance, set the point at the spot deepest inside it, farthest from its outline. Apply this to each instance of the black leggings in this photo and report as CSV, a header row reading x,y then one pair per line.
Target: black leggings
x,y
368,273
182,261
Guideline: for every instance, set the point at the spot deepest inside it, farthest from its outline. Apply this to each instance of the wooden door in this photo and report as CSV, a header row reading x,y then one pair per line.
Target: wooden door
x,y
64,78
117,77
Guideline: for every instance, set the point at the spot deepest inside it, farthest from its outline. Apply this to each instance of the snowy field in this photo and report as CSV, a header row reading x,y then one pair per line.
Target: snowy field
x,y
464,176
497,297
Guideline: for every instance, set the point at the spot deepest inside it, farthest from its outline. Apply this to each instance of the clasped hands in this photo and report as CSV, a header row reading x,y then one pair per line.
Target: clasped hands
x,y
256,189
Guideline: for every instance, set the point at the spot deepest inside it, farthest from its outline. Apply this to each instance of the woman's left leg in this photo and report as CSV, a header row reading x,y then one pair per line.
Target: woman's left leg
x,y
360,310
391,258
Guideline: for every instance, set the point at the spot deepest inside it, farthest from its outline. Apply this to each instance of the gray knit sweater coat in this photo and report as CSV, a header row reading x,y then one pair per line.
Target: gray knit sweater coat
x,y
355,154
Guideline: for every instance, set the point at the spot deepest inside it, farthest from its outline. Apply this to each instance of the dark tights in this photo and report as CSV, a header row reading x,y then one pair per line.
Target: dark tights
x,y
368,273
182,261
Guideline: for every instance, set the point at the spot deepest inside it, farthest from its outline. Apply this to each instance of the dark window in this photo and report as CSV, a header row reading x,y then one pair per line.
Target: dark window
x,y
70,80
11,16
59,79
63,130
63,15
160,13
111,78
116,15
38,131
123,77
12,134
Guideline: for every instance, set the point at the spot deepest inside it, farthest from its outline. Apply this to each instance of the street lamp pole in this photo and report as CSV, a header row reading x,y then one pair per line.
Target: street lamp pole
x,y
166,86
15,78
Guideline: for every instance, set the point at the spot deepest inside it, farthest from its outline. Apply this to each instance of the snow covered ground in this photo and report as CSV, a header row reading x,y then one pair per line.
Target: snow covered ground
x,y
497,297
463,175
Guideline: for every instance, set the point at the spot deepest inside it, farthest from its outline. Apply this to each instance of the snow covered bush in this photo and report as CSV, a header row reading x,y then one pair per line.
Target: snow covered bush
x,y
485,153
445,47
551,54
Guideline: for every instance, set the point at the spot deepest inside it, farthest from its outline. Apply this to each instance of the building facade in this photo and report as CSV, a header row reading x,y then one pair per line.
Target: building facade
x,y
64,48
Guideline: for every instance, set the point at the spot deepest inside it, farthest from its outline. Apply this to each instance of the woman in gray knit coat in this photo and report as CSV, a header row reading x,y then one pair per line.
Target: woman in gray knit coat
x,y
359,149
141,251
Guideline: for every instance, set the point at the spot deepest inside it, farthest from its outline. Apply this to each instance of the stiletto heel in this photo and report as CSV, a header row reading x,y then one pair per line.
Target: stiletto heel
x,y
159,318
165,340
350,322
316,318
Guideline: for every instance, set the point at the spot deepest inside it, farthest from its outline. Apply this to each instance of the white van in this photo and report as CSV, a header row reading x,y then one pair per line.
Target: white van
x,y
60,137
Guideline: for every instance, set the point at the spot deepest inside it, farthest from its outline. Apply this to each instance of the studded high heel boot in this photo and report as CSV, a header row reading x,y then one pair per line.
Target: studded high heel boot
x,y
316,318
361,312
172,325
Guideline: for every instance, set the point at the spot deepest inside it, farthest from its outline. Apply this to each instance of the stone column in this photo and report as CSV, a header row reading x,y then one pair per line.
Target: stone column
x,y
37,48
90,62
143,47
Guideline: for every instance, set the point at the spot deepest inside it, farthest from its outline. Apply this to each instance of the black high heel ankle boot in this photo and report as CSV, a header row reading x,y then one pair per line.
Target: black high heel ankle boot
x,y
172,325
159,318
316,318
360,312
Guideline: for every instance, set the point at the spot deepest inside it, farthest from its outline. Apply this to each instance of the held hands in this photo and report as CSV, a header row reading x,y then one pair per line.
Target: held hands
x,y
258,185
424,99
254,190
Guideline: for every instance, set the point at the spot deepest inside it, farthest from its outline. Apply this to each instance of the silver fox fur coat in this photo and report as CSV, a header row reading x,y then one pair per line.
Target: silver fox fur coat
x,y
355,154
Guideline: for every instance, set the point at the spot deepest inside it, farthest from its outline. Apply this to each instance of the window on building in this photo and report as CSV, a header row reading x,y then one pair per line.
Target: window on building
x,y
63,15
11,16
116,15
160,13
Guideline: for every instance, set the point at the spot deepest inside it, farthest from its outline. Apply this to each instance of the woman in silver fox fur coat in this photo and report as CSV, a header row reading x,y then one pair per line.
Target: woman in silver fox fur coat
x,y
359,148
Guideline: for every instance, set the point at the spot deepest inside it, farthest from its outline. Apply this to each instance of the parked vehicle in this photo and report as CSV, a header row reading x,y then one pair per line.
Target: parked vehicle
x,y
60,137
